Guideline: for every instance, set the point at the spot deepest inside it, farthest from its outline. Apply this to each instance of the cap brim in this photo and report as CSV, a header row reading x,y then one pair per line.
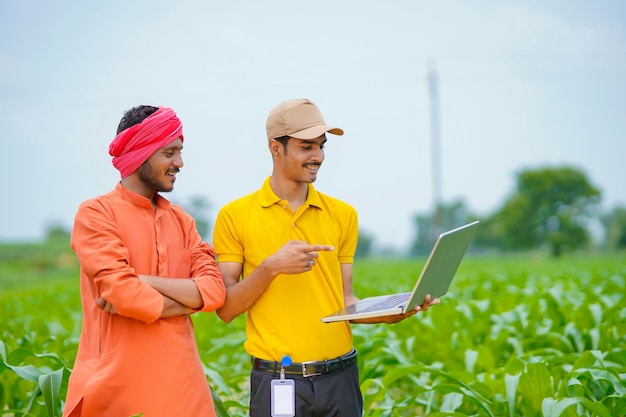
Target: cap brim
x,y
316,131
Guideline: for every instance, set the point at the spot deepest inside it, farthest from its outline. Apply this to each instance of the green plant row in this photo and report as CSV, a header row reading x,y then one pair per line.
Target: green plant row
x,y
517,336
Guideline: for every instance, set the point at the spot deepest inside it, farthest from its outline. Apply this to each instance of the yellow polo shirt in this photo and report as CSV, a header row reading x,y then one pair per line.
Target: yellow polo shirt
x,y
285,320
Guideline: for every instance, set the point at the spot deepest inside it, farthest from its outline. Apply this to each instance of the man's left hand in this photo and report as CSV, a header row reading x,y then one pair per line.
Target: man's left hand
x,y
396,318
105,305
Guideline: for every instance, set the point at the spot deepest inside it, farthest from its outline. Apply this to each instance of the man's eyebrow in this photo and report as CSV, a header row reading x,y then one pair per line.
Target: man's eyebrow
x,y
310,141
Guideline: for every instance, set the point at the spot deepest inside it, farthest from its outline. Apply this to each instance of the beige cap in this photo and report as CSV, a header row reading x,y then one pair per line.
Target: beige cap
x,y
298,118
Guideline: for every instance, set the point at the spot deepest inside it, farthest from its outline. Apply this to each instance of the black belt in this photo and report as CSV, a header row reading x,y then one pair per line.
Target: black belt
x,y
307,369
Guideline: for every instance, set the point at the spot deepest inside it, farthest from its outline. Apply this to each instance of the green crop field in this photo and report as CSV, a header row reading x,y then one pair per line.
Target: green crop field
x,y
517,336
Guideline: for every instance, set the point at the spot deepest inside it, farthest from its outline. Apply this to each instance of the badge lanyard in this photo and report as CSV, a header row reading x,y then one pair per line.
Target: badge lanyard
x,y
283,393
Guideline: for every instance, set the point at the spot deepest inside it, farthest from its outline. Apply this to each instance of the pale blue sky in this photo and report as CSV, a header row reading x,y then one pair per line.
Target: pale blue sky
x,y
522,84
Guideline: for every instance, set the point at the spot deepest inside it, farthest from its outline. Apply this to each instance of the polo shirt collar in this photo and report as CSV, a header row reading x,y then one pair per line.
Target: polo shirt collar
x,y
267,197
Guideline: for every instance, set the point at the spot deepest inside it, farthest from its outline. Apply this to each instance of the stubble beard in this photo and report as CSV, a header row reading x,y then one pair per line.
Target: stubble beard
x,y
149,177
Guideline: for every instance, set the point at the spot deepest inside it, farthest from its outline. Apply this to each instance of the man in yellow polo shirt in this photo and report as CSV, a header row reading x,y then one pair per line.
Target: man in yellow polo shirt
x,y
286,254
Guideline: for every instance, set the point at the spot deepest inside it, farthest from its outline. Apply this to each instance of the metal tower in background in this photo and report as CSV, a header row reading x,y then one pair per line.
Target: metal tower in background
x,y
433,90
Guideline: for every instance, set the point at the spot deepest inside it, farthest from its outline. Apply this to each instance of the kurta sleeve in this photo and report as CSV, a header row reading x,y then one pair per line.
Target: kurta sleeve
x,y
99,246
204,270
208,278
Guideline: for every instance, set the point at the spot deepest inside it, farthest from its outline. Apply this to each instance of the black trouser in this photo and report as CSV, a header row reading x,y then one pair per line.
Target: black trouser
x,y
335,394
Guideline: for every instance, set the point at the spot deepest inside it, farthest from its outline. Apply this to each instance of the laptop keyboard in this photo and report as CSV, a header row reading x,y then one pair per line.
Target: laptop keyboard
x,y
392,301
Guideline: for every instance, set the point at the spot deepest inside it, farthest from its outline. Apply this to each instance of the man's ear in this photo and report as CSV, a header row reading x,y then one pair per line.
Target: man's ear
x,y
275,147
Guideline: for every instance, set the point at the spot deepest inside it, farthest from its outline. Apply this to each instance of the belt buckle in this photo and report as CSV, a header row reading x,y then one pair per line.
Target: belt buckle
x,y
304,372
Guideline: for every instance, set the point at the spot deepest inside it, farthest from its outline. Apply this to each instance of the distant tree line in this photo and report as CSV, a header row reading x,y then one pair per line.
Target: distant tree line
x,y
551,208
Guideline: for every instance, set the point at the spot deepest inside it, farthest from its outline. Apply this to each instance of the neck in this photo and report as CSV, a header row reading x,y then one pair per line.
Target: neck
x,y
294,192
134,184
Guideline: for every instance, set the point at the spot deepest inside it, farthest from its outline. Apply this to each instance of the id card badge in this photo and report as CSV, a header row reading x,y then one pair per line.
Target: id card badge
x,y
283,398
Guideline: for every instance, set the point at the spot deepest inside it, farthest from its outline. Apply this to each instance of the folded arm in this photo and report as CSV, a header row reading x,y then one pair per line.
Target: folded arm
x,y
171,307
183,291
180,296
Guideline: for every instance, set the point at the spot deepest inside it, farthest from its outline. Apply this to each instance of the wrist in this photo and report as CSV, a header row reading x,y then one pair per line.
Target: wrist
x,y
267,269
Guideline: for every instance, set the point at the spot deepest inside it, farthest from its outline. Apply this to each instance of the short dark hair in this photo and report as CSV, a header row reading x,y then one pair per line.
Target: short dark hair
x,y
135,116
283,140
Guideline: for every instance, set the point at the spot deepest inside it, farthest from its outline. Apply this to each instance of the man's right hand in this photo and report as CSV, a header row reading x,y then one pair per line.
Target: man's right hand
x,y
296,257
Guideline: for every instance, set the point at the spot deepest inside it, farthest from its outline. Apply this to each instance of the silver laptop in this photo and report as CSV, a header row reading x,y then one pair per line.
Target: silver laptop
x,y
435,279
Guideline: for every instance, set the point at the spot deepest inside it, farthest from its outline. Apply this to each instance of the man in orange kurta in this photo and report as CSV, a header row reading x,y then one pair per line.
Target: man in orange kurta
x,y
144,270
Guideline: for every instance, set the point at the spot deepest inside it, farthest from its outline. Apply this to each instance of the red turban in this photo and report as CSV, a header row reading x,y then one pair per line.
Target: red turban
x,y
133,146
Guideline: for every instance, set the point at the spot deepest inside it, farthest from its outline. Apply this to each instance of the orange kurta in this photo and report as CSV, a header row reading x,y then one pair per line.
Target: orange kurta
x,y
134,362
